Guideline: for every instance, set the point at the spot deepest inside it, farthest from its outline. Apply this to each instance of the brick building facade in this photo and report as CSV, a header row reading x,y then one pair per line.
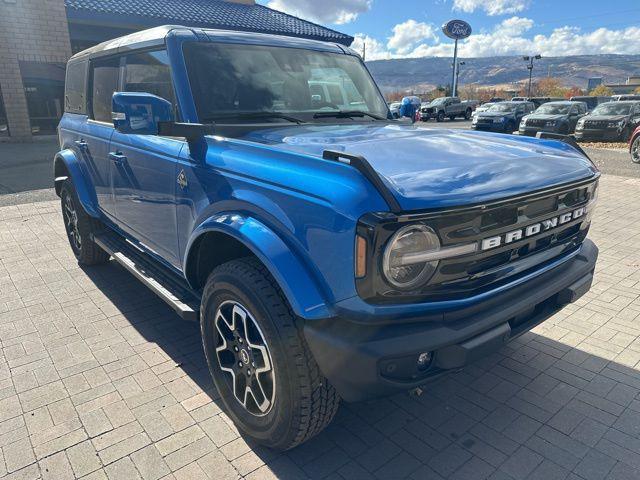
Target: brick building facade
x,y
38,36
32,32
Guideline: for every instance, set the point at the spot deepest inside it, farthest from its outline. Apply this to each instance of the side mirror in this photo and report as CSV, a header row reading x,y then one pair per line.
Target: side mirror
x,y
139,113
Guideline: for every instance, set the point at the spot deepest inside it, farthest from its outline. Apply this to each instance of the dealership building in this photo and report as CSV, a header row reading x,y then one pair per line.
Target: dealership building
x,y
37,37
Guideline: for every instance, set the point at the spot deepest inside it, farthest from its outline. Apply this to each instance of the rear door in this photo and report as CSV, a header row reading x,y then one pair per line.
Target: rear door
x,y
144,166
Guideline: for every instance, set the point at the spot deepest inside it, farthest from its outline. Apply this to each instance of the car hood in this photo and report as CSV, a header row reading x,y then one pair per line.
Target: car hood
x,y
546,116
487,114
432,168
608,118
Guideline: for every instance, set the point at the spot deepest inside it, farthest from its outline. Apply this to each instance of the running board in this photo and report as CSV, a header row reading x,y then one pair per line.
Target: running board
x,y
167,285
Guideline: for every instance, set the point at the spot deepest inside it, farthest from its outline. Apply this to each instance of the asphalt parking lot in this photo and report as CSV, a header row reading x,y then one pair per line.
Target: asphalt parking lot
x,y
99,379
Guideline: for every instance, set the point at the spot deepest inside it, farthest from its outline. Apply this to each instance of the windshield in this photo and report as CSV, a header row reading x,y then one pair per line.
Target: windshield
x,y
551,109
612,108
234,81
438,101
502,107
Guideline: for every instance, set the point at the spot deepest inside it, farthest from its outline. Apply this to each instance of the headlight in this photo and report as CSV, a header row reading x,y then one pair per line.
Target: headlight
x,y
401,264
580,123
550,123
498,120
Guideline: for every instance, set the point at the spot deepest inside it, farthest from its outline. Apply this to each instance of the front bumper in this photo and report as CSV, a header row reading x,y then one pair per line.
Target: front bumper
x,y
600,135
490,127
365,361
532,131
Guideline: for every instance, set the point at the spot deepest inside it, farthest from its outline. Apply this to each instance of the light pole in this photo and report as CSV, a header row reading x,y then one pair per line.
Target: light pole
x,y
460,64
530,59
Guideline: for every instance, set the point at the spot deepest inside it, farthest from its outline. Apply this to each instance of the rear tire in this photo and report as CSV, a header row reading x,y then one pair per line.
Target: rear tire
x,y
80,227
290,401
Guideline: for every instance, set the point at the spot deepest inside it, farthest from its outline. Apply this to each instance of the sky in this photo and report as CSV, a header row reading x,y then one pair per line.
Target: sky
x,y
412,28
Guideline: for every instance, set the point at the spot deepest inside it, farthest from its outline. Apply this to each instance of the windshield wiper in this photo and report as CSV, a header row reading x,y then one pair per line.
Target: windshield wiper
x,y
256,116
347,114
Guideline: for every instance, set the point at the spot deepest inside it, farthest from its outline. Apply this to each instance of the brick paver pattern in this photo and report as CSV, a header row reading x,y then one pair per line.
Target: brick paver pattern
x,y
99,379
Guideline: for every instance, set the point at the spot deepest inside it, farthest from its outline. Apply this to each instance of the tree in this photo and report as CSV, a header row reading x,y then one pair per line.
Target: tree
x,y
574,92
601,91
637,91
550,87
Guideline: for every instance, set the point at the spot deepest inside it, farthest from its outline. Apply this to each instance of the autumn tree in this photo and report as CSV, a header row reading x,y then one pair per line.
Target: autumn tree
x,y
550,87
637,91
601,91
574,92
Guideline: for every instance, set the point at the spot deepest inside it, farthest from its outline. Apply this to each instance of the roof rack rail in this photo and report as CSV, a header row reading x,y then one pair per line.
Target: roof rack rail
x,y
364,167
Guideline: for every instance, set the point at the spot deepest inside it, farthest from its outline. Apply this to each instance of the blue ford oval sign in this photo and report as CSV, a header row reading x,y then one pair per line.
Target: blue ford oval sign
x,y
456,29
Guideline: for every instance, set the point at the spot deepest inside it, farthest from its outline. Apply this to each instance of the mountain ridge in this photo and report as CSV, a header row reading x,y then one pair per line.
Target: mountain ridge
x,y
573,70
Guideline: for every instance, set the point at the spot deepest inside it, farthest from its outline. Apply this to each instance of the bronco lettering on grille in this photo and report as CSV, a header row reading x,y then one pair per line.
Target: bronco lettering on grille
x,y
531,230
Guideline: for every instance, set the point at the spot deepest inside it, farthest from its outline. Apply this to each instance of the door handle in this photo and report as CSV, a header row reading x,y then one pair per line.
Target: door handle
x,y
117,157
81,144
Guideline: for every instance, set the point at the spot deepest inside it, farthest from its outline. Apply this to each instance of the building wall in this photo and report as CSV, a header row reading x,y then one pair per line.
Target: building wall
x,y
32,31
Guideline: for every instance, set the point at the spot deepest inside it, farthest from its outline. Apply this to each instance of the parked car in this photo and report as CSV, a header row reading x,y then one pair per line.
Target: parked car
x,y
611,121
394,108
557,117
502,117
483,108
328,254
448,107
592,102
622,98
634,145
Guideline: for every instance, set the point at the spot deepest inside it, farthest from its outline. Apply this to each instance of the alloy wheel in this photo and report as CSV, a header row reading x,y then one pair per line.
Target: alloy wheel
x,y
244,358
635,150
70,216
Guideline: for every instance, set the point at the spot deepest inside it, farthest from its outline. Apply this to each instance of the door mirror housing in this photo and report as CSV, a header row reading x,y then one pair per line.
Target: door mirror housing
x,y
140,113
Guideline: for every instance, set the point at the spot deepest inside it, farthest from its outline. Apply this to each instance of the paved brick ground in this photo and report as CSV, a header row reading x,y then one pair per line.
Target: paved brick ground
x,y
99,379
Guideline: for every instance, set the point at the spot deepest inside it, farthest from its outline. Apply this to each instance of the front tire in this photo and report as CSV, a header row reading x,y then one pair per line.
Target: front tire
x,y
635,150
440,117
467,114
80,228
258,358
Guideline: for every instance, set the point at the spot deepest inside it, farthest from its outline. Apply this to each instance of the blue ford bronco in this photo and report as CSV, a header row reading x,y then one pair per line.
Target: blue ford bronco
x,y
259,185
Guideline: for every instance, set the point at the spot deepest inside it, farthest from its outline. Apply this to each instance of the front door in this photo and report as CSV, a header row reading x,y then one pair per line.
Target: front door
x,y
145,174
94,135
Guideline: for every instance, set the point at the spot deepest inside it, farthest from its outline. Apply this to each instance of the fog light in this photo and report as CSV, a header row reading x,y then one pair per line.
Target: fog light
x,y
424,360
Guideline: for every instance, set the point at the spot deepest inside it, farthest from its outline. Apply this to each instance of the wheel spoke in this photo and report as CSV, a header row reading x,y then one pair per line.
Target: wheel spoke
x,y
244,357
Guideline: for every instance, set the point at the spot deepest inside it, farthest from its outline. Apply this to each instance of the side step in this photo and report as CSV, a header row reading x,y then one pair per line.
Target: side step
x,y
167,285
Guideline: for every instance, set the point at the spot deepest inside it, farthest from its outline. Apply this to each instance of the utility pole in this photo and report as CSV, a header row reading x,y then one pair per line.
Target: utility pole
x,y
364,51
530,59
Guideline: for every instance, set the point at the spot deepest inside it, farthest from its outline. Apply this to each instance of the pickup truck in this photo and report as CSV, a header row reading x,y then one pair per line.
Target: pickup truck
x,y
328,253
451,107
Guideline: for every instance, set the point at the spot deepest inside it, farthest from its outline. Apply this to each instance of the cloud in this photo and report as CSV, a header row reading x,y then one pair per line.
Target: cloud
x,y
375,50
491,7
509,37
323,11
409,34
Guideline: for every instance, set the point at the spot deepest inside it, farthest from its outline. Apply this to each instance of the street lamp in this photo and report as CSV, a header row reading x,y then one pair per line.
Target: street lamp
x,y
530,59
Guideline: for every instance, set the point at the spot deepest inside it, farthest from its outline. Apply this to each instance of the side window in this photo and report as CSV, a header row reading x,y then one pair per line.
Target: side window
x,y
75,86
149,72
104,82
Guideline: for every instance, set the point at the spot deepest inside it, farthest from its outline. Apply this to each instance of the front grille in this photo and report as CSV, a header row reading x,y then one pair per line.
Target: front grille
x,y
596,124
485,121
472,274
535,122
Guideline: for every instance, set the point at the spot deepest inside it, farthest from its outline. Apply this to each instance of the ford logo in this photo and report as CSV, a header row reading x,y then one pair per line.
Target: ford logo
x,y
456,29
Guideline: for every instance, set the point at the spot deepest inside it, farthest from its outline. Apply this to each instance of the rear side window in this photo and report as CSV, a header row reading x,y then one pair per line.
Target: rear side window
x,y
104,82
149,72
75,87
